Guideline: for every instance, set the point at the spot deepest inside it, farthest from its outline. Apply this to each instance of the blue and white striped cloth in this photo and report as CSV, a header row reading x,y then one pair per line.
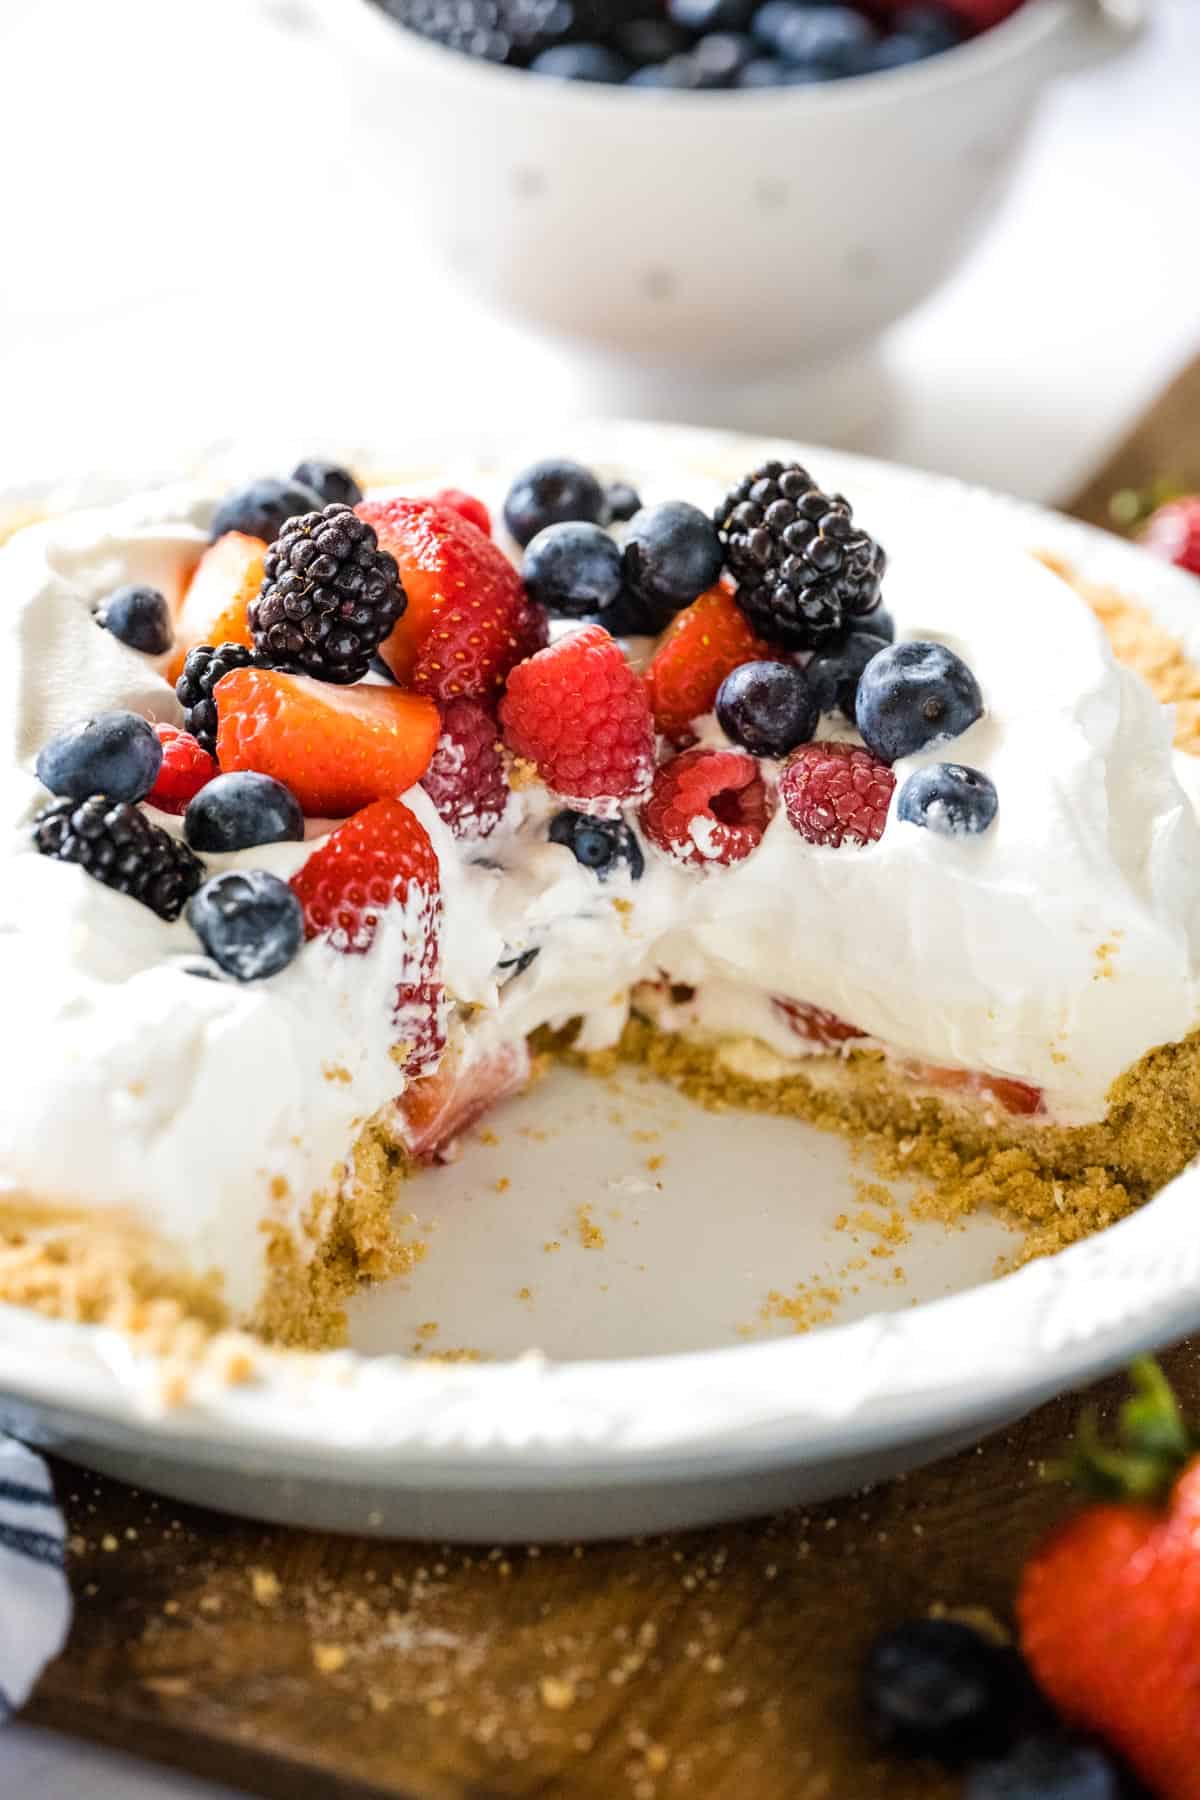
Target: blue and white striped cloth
x,y
35,1600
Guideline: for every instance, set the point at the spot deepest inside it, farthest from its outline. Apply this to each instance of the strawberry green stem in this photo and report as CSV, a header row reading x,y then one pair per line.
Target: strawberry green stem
x,y
1154,1443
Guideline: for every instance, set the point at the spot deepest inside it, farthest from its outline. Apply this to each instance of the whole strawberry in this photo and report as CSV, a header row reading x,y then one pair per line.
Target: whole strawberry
x,y
1173,532
579,713
1109,1605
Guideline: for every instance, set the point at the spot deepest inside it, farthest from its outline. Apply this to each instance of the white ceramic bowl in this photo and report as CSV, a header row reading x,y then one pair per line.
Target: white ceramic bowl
x,y
682,235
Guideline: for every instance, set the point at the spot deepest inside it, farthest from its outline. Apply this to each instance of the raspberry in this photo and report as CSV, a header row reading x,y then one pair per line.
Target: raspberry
x,y
465,779
467,621
707,806
1173,532
836,794
467,507
530,628
702,645
329,596
580,714
186,768
814,1024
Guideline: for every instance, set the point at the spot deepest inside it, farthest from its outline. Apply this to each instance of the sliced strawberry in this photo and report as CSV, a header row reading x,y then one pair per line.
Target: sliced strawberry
x,y
701,646
1013,1096
186,768
227,578
814,1024
442,1105
379,858
336,748
467,619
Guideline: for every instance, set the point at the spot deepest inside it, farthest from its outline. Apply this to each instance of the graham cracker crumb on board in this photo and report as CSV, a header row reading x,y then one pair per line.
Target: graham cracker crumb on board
x,y
590,1234
264,1585
328,1658
557,1694
168,1687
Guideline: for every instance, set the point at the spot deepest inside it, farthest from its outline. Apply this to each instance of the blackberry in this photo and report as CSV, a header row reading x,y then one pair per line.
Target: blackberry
x,y
329,596
805,571
202,669
117,844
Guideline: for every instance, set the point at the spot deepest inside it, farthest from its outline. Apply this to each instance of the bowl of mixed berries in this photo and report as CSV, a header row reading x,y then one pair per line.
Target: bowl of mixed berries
x,y
707,193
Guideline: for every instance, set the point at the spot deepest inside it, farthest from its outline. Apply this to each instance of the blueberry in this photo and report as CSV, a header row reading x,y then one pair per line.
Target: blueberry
x,y
599,844
140,617
580,62
834,674
649,41
262,509
934,1687
879,622
767,707
573,569
948,798
763,72
895,52
831,38
720,58
250,922
1050,1768
913,695
113,753
330,480
711,15
676,72
548,493
239,810
672,554
622,501
933,26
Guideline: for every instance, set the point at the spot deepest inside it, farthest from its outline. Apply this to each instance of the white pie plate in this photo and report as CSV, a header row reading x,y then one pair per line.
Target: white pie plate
x,y
624,1392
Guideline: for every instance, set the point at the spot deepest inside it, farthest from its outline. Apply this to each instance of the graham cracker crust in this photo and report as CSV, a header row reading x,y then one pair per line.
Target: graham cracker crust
x,y
1057,1184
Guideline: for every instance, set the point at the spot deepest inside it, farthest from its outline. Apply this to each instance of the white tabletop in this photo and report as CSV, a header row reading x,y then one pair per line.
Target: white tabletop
x,y
144,298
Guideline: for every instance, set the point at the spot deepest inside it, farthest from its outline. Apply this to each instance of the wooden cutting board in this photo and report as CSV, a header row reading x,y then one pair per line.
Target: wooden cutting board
x,y
699,1666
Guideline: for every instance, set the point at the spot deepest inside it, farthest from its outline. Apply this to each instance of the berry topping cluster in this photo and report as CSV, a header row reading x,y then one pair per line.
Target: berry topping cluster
x,y
700,45
332,652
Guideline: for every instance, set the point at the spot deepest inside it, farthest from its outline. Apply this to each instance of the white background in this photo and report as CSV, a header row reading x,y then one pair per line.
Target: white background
x,y
167,171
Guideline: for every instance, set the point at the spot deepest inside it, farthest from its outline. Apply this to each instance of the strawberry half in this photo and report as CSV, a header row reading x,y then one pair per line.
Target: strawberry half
x,y
226,579
440,1107
468,616
336,748
381,858
703,644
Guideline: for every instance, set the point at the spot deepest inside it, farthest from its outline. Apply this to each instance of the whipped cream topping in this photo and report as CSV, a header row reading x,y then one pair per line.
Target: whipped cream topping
x,y
1056,948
